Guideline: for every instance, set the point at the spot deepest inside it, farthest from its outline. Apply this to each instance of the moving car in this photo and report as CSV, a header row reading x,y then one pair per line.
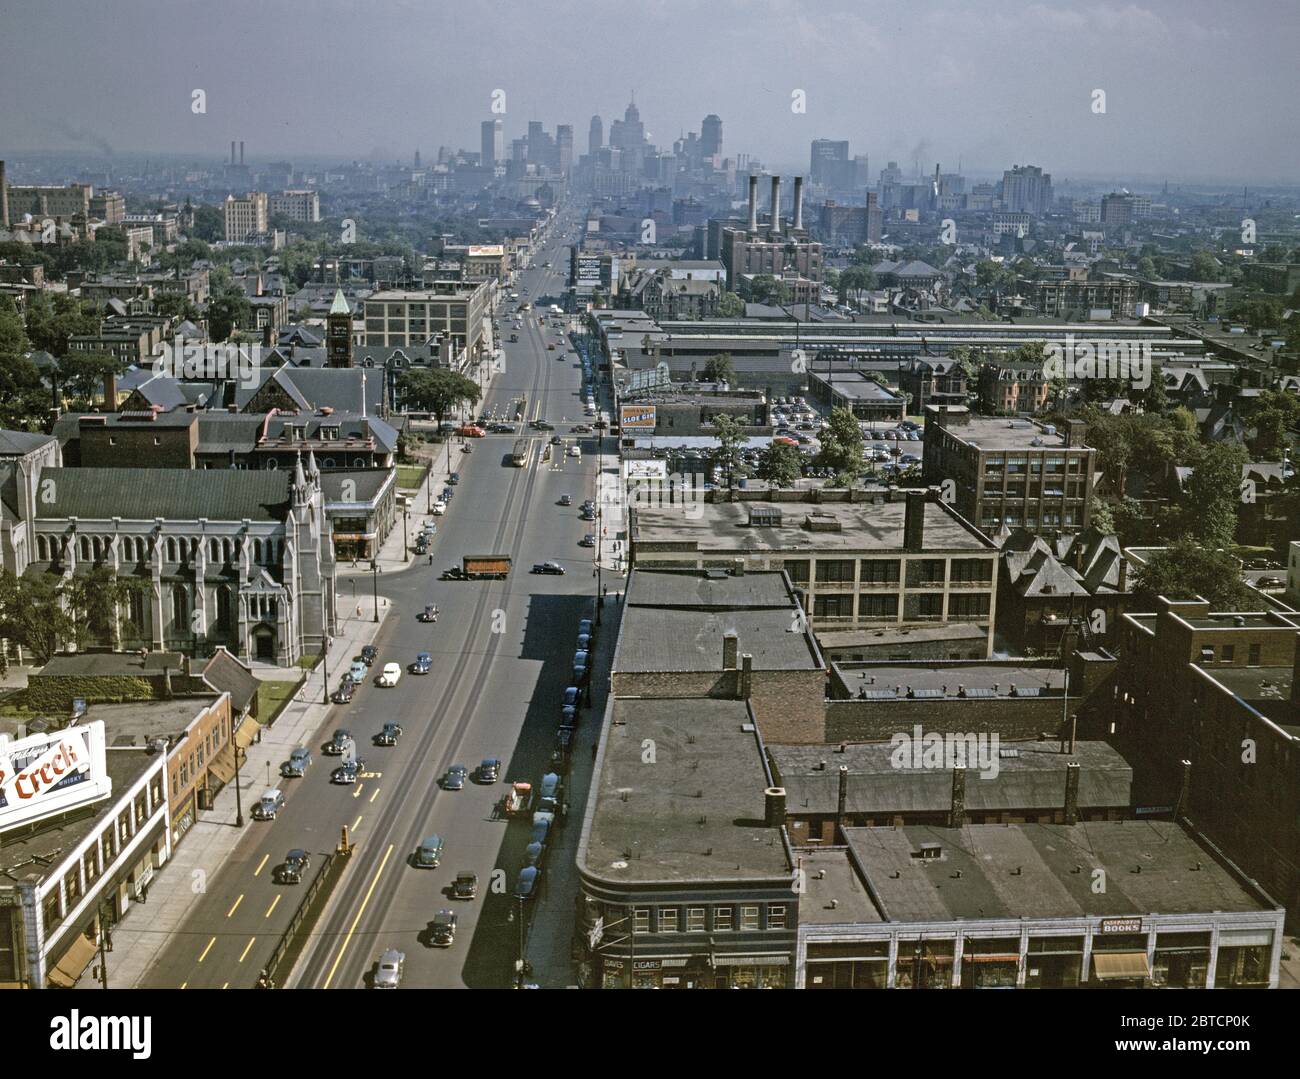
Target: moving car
x,y
489,770
347,774
465,886
295,865
271,802
388,971
297,764
455,778
574,451
470,430
566,500
542,425
389,676
423,664
442,930
429,614
338,742
429,854
548,567
389,735
589,540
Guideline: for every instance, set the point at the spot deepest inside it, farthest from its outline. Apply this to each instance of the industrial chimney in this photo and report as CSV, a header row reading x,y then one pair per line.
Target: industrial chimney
x,y
753,203
798,204
241,152
776,204
232,151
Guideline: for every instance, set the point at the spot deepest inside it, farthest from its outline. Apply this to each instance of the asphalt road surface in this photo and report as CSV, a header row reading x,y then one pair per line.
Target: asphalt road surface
x,y
502,655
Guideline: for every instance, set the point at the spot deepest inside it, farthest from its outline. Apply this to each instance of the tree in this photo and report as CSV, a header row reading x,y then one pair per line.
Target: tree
x,y
1272,413
178,306
764,288
842,444
855,280
1154,398
437,391
731,439
1146,267
209,224
53,320
731,306
780,464
94,601
227,310
1103,518
719,368
32,614
1213,494
83,373
1185,570
1204,267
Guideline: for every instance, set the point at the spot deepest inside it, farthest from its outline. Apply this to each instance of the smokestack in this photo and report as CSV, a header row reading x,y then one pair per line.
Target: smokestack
x,y
241,152
232,151
753,204
798,204
774,807
1072,793
776,204
914,522
4,199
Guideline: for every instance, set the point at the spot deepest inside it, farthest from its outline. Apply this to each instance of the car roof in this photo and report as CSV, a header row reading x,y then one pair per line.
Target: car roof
x,y
270,792
431,840
297,852
391,956
424,655
301,751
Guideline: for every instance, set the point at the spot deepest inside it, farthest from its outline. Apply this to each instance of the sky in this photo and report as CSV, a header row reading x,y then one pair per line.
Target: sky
x,y
1195,90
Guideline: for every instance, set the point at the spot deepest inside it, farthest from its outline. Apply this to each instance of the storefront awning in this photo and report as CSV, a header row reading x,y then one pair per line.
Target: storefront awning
x,y
1114,966
222,766
247,732
76,959
751,961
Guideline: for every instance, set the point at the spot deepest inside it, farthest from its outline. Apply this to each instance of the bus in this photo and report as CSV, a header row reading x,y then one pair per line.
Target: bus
x,y
523,452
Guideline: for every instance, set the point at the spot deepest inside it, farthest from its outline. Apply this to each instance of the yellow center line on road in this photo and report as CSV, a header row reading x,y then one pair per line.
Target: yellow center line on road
x,y
236,906
207,949
374,796
247,947
355,921
226,985
271,907
260,864
356,823
184,984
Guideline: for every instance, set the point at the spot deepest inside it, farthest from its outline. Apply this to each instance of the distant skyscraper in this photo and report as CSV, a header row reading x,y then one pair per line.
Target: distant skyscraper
x,y
1026,189
828,163
493,147
595,136
711,136
564,146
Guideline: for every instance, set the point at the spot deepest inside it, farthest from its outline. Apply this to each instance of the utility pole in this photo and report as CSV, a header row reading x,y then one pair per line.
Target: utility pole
x,y
103,938
325,664
374,584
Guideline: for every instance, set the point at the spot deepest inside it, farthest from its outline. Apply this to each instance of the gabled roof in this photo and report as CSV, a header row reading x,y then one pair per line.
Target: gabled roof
x,y
21,443
170,493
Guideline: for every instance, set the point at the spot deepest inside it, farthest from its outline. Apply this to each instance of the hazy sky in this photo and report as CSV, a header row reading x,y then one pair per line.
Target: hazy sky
x,y
1195,89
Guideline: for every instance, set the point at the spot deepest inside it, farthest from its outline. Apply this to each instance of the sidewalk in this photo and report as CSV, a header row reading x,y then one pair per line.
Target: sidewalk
x,y
142,936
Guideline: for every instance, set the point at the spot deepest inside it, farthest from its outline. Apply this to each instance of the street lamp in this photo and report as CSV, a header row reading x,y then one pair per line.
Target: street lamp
x,y
239,807
406,546
325,662
374,578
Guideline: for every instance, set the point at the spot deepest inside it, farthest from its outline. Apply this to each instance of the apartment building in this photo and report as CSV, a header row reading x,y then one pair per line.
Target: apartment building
x,y
1017,473
246,217
301,206
455,309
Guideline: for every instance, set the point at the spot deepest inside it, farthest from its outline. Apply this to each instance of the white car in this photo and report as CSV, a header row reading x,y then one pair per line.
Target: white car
x,y
439,508
388,971
574,451
389,675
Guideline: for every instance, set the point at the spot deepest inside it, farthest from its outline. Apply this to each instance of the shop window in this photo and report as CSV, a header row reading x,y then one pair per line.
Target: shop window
x,y
990,964
1181,961
1243,966
924,964
1054,963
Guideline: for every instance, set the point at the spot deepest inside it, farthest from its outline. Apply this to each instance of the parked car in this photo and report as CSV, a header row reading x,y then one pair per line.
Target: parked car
x,y
389,734
389,676
423,664
453,479
526,885
429,854
388,970
548,567
297,764
442,930
270,804
440,507
489,770
347,774
369,654
357,672
295,865
465,886
454,780
338,742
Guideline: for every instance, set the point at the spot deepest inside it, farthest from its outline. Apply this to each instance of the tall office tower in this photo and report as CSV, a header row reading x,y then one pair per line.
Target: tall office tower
x,y
492,142
564,147
595,136
829,163
891,174
1026,189
875,219
4,199
711,136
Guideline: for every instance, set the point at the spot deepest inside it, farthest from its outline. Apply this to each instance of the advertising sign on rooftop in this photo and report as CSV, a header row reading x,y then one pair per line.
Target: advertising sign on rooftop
x,y
46,774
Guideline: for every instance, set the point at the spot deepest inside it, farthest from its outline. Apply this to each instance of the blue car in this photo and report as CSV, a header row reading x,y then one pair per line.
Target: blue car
x,y
423,663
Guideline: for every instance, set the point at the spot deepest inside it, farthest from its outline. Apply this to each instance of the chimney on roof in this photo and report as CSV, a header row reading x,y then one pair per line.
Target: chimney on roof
x,y
1072,793
798,204
753,203
110,392
746,676
774,807
730,650
776,205
957,808
841,805
1076,432
914,522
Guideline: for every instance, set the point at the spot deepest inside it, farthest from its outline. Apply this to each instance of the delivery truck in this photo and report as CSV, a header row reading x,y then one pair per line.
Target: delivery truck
x,y
480,567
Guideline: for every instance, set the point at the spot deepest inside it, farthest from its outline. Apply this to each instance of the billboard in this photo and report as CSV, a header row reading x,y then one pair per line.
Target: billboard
x,y
636,417
45,774
587,272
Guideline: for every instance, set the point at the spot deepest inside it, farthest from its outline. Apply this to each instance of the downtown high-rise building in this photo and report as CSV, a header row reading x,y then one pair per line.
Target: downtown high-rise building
x,y
564,147
595,136
492,142
1026,189
711,136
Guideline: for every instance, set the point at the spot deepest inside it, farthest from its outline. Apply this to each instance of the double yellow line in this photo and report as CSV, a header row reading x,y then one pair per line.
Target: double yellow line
x,y
347,938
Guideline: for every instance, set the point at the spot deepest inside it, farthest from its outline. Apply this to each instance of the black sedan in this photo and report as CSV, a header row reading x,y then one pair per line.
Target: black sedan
x,y
548,567
369,654
343,695
295,865
389,735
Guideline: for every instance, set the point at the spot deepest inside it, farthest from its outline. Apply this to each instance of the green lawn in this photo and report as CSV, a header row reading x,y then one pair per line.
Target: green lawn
x,y
409,477
271,699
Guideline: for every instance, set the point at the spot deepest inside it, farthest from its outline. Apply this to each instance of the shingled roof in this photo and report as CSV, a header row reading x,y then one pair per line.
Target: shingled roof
x,y
171,493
